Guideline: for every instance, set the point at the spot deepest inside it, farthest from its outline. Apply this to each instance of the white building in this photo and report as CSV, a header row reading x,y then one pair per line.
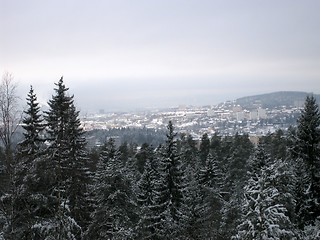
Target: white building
x,y
262,113
254,115
240,116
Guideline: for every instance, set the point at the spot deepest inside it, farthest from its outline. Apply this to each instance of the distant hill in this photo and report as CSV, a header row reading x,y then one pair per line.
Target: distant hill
x,y
275,99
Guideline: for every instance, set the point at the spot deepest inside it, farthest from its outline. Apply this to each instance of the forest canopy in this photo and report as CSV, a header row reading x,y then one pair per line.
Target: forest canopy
x,y
53,186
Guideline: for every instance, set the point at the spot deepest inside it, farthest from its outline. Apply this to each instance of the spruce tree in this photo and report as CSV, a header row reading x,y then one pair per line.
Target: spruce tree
x,y
146,200
33,126
235,178
305,150
210,183
196,208
204,148
78,171
146,152
189,152
29,151
170,199
57,118
115,208
66,153
264,217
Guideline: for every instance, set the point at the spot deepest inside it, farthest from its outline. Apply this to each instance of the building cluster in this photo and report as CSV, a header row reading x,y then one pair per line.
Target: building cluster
x,y
227,119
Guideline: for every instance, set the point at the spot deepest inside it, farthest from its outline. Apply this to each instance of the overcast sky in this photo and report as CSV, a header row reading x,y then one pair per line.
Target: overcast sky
x,y
122,55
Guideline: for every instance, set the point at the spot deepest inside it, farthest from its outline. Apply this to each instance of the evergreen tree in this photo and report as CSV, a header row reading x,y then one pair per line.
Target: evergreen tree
x,y
170,199
124,152
236,169
307,150
263,216
312,231
66,153
146,199
275,144
115,209
189,152
210,183
78,171
204,148
33,126
29,150
258,160
216,150
145,153
197,209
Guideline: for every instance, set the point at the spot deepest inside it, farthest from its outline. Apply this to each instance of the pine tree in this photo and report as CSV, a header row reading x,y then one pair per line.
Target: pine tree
x,y
307,151
210,183
145,153
33,126
263,216
146,200
29,150
275,144
259,159
312,231
235,177
66,153
196,208
204,148
78,171
115,209
189,152
170,199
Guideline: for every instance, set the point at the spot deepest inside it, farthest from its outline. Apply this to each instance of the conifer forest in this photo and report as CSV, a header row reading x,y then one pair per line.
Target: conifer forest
x,y
53,186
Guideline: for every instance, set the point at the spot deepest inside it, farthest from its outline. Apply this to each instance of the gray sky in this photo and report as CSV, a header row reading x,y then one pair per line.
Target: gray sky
x,y
128,54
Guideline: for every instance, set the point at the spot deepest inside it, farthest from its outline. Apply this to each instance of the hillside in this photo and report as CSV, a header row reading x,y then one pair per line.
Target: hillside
x,y
275,99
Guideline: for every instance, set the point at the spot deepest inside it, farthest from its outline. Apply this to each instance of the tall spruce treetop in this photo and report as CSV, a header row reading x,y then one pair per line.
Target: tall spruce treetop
x,y
204,148
57,116
33,126
170,187
67,153
309,132
308,152
29,151
170,143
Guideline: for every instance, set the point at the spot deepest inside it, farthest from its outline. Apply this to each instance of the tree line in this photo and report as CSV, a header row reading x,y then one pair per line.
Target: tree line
x,y
54,187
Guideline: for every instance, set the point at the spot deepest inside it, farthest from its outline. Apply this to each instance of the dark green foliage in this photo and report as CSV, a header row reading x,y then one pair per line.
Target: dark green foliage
x,y
275,144
115,209
67,154
204,148
215,145
33,126
196,209
29,152
170,198
258,160
210,182
235,177
146,200
307,151
189,151
145,153
237,162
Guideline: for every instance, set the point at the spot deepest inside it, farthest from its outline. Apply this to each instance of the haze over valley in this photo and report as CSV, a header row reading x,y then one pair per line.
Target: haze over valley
x,y
162,119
